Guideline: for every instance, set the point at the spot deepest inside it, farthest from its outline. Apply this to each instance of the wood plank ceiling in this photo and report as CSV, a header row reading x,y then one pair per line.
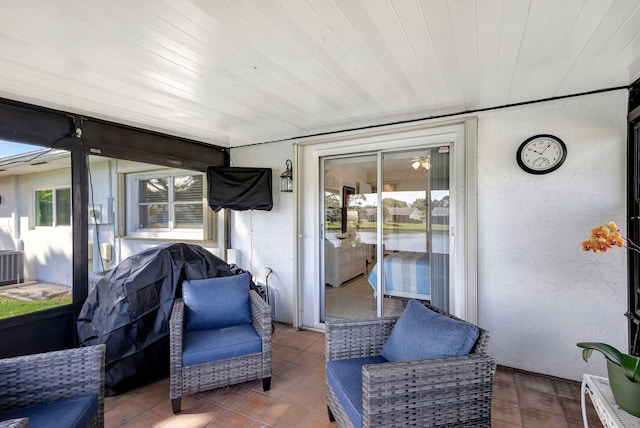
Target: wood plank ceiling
x,y
237,72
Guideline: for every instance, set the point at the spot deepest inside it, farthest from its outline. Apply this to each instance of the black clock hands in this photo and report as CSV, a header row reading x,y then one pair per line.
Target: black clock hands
x,y
548,145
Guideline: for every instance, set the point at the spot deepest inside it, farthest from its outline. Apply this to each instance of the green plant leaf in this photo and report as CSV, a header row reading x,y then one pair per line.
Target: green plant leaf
x,y
611,353
631,367
629,363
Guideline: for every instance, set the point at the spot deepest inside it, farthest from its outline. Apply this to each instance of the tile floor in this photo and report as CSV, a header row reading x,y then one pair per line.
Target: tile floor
x,y
355,299
296,398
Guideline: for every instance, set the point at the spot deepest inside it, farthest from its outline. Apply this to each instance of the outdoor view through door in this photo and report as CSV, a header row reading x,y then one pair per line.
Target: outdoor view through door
x,y
398,213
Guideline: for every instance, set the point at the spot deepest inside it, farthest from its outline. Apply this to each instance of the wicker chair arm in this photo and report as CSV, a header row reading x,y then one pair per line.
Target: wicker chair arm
x,y
175,334
428,388
38,378
356,338
260,314
482,344
15,423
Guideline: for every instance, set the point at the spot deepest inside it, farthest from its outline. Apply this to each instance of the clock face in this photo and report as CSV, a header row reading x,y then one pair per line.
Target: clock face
x,y
541,154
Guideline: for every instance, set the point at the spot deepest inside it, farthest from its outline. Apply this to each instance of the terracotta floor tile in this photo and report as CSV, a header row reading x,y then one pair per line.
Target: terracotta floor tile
x,y
316,420
296,399
534,382
566,388
279,386
227,397
293,371
301,343
149,396
320,405
119,415
317,348
505,411
533,418
500,424
254,404
534,400
197,418
504,388
277,364
314,335
287,353
303,395
231,419
283,414
309,359
147,420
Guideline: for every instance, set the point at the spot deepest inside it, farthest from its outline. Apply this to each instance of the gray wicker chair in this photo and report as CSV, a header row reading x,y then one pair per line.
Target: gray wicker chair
x,y
187,380
451,392
51,376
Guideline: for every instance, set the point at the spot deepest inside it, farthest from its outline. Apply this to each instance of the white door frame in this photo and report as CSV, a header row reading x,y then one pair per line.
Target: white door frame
x,y
463,135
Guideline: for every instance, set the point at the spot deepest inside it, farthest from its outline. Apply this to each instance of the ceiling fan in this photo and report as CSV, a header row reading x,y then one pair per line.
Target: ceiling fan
x,y
421,161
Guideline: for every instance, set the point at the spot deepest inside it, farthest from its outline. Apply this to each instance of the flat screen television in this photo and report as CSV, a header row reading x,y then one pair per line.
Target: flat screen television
x,y
239,188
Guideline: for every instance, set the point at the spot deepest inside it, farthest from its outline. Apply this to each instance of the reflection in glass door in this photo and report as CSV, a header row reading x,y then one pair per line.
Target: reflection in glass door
x,y
410,193
350,210
415,227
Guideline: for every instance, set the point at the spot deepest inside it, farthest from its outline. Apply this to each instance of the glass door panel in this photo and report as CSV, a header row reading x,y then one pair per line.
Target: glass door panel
x,y
349,228
415,207
409,191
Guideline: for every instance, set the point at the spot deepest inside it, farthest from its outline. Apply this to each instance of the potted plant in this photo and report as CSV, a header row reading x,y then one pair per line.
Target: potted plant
x,y
624,374
623,369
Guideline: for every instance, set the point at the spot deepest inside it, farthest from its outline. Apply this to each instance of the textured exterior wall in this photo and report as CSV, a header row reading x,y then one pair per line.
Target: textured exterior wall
x,y
539,293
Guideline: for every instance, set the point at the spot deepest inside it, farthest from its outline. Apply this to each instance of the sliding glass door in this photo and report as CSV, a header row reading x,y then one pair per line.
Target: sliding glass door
x,y
350,236
391,207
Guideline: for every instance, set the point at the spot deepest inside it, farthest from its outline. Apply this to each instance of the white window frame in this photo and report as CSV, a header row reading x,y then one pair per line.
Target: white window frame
x,y
132,199
54,221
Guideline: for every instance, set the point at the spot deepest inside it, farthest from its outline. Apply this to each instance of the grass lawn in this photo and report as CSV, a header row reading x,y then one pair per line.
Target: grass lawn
x,y
11,307
418,227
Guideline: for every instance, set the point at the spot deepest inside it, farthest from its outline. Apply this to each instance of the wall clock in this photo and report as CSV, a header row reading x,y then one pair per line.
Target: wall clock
x,y
541,154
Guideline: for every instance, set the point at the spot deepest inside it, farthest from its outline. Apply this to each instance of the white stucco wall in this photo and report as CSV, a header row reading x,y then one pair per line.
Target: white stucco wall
x,y
539,293
265,238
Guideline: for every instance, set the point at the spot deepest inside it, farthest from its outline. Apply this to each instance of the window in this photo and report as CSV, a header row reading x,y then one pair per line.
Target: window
x,y
168,204
53,207
36,253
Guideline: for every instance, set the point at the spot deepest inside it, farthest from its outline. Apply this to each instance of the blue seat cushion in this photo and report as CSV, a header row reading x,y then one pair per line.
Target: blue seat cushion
x,y
345,378
205,346
69,412
216,302
421,334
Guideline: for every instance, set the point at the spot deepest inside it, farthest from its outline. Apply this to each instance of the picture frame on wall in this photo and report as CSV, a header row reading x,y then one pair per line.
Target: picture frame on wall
x,y
347,192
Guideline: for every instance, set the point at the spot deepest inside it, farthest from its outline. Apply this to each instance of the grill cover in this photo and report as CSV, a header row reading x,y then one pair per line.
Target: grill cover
x,y
129,310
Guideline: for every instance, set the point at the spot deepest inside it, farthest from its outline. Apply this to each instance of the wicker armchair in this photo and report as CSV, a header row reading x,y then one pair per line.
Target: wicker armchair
x,y
189,379
49,377
451,392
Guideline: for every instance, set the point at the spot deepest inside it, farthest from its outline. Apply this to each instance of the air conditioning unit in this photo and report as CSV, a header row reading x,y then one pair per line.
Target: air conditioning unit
x,y
11,267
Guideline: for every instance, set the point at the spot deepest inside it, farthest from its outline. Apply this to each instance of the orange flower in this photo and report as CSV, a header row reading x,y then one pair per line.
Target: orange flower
x,y
588,246
607,236
600,232
616,239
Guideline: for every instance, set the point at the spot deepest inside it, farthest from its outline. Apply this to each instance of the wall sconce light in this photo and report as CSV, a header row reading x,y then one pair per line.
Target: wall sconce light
x,y
286,179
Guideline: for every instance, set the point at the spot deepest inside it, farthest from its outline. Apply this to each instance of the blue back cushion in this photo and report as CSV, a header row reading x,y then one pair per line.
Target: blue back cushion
x,y
421,334
216,302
